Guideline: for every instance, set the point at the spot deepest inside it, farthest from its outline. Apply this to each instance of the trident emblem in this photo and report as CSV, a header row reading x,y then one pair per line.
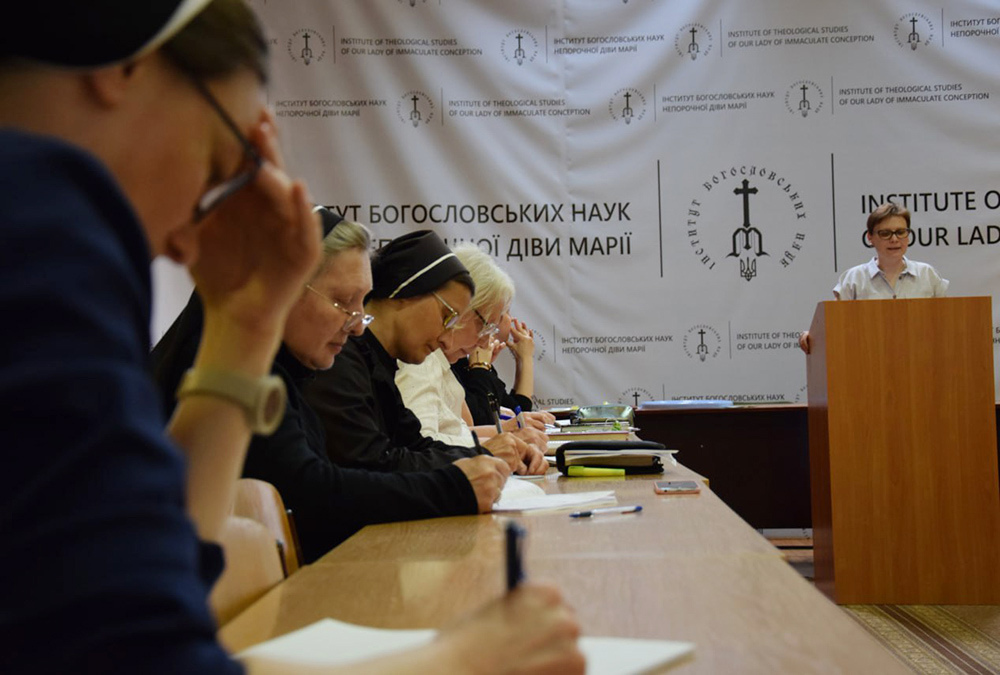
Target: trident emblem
x,y
914,37
693,47
702,349
519,52
307,53
804,104
415,113
627,110
750,236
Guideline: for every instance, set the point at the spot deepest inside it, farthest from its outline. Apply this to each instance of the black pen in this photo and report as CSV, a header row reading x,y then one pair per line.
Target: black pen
x,y
495,404
515,568
479,448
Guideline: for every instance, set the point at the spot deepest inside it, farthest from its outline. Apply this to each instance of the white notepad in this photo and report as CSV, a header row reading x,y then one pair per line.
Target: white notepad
x,y
521,495
331,642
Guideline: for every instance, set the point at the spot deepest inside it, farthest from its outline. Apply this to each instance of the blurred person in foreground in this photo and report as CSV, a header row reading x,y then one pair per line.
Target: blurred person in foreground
x,y
133,130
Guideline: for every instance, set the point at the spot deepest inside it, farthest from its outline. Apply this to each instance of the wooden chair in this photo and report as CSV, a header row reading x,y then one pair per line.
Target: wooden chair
x,y
260,501
252,567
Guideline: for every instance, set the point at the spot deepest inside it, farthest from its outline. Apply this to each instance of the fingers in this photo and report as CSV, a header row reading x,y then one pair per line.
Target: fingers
x,y
543,416
538,464
487,476
264,138
534,422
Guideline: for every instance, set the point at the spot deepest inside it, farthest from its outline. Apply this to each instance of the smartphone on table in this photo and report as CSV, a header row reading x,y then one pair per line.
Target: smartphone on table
x,y
676,487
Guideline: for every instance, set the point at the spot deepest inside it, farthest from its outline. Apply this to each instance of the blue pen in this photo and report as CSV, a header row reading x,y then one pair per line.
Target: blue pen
x,y
520,417
515,569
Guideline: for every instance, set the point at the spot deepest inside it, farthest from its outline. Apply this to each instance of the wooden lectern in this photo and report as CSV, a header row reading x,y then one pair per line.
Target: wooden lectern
x,y
903,452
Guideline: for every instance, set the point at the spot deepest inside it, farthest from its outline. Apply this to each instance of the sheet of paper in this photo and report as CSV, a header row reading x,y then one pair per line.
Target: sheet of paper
x,y
556,501
519,488
331,642
519,494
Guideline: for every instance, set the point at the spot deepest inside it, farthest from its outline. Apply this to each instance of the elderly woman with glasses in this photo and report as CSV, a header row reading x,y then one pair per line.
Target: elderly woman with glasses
x,y
432,391
331,503
890,274
420,293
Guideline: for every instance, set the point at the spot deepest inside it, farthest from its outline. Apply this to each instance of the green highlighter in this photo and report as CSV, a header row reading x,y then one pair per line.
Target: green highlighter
x,y
592,471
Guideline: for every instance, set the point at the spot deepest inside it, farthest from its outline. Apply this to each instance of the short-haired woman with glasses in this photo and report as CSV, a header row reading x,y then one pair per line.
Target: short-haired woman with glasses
x,y
889,274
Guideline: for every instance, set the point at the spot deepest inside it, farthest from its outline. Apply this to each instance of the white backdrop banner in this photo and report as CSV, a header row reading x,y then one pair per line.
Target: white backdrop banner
x,y
673,185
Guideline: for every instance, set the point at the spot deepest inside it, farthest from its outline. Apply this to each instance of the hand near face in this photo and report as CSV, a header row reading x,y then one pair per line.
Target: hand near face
x,y
487,476
258,248
521,341
487,352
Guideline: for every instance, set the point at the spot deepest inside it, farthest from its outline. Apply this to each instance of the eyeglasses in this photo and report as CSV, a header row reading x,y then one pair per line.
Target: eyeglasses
x,y
452,318
253,161
353,318
488,329
901,233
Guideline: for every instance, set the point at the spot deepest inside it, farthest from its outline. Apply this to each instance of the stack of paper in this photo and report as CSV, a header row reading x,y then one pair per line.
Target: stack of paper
x,y
521,495
331,642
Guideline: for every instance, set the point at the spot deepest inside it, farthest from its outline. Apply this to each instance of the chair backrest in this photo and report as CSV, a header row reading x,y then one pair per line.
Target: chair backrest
x,y
260,501
253,567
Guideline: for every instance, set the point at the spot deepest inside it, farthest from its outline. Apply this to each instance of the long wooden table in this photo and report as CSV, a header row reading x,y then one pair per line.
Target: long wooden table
x,y
685,568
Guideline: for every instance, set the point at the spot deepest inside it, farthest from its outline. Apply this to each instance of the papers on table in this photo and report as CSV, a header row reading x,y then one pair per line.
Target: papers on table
x,y
521,495
331,642
688,403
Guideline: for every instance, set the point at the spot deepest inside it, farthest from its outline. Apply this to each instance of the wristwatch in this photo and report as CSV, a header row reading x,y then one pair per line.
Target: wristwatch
x,y
262,398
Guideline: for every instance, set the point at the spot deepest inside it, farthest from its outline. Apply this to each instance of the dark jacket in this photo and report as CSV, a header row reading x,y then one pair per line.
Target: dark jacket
x,y
104,570
328,503
479,384
367,424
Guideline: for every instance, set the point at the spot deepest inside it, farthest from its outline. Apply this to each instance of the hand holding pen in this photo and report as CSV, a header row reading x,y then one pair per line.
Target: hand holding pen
x,y
529,629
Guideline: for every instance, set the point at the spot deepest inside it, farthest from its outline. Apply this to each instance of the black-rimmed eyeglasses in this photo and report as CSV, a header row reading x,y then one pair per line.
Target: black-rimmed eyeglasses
x,y
252,160
488,329
901,233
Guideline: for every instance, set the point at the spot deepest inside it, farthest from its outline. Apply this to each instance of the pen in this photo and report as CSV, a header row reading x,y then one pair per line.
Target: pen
x,y
519,416
515,570
480,449
605,510
495,405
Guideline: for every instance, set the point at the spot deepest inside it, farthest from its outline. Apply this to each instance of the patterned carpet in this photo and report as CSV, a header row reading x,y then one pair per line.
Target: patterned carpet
x,y
936,639
931,639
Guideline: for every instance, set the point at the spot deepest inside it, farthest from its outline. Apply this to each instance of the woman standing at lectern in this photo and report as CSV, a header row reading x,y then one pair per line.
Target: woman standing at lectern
x,y
890,274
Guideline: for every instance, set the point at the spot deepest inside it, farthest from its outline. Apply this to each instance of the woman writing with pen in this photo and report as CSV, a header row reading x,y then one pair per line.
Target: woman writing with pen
x,y
431,390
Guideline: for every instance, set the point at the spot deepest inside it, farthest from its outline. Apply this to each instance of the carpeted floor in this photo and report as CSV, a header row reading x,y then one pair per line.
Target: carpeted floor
x,y
935,639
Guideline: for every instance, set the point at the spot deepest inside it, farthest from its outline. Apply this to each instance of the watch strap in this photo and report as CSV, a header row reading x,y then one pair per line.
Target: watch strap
x,y
262,398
